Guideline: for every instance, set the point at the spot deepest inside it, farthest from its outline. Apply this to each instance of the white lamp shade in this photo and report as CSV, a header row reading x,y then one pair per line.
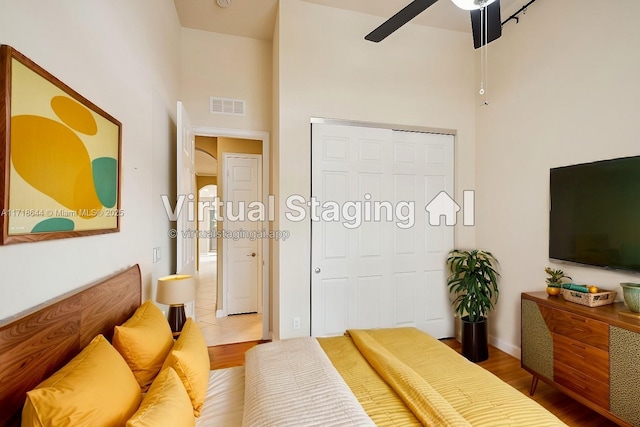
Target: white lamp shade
x,y
472,4
176,289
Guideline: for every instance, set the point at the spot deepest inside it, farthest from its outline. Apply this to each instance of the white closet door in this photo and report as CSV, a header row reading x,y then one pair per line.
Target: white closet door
x,y
389,272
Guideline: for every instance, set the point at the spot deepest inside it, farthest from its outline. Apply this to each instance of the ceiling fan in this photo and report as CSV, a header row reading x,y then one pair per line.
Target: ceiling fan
x,y
482,34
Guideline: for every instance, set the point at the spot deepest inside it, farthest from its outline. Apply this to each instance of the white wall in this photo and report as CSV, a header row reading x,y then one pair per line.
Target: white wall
x,y
274,181
564,90
419,76
125,60
226,66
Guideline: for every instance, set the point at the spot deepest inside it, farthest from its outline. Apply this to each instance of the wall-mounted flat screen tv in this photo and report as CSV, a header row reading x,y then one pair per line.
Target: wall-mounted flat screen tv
x,y
595,213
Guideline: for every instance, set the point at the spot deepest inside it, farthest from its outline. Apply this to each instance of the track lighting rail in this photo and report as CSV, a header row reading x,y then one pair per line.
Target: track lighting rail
x,y
523,9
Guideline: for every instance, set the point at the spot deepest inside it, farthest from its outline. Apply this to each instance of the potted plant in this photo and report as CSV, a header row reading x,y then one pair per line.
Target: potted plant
x,y
474,285
554,281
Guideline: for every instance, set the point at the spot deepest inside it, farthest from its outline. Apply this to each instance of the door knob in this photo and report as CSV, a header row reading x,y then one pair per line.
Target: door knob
x,y
317,270
253,254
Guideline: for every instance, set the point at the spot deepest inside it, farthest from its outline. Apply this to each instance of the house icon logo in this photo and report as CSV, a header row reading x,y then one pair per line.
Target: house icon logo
x,y
443,205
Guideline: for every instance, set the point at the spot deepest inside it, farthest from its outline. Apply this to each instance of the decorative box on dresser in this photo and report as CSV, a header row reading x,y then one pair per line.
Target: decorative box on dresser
x,y
590,353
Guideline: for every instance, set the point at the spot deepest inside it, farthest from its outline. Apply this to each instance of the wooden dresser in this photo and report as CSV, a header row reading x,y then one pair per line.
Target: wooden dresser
x,y
591,354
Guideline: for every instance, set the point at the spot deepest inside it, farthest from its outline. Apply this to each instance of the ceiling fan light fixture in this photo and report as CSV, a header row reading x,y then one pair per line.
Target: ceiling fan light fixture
x,y
472,4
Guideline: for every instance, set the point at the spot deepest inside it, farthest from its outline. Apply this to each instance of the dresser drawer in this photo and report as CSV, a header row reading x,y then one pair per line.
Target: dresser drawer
x,y
592,361
589,331
582,383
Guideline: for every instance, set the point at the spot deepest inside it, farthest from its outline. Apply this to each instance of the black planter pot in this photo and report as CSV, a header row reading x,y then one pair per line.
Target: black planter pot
x,y
474,340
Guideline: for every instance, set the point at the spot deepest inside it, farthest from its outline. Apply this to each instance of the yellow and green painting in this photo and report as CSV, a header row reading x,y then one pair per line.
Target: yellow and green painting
x,y
64,160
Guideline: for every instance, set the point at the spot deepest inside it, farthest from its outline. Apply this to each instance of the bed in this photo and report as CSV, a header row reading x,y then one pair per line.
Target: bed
x,y
385,377
400,377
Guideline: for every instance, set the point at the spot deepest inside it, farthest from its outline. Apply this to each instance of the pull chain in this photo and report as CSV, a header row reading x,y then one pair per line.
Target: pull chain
x,y
484,24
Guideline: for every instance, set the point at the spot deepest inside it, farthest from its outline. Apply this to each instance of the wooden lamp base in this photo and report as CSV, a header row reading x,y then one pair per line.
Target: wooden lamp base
x,y
176,319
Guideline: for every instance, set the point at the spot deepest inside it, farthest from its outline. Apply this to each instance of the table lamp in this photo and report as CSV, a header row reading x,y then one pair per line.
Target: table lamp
x,y
175,291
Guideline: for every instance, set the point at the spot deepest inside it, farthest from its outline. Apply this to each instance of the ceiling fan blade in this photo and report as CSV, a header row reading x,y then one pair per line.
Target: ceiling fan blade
x,y
410,11
494,25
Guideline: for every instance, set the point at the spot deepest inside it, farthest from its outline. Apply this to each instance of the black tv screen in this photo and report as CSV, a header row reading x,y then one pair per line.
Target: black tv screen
x,y
595,213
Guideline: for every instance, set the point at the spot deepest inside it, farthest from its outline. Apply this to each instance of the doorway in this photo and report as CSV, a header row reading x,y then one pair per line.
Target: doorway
x,y
207,226
220,330
217,325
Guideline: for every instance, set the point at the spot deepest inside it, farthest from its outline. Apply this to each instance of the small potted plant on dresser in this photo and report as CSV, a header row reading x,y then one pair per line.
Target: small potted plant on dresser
x,y
474,284
554,281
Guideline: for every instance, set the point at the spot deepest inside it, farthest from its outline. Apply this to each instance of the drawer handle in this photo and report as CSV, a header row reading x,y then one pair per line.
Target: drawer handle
x,y
579,375
580,386
574,384
579,356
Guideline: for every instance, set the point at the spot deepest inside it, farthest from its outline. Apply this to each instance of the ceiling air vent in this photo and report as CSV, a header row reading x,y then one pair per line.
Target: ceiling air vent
x,y
234,107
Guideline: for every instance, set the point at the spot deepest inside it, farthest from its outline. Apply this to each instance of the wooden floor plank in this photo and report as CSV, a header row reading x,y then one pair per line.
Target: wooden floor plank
x,y
230,355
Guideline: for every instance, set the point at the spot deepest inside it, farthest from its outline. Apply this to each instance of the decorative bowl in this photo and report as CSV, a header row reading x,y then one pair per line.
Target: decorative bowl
x,y
631,294
552,290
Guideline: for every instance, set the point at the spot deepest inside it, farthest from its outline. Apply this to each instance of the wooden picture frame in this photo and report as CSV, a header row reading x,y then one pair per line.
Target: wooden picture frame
x,y
60,157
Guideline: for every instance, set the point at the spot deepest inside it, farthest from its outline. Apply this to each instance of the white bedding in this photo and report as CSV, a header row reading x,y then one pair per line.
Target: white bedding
x,y
300,388
224,401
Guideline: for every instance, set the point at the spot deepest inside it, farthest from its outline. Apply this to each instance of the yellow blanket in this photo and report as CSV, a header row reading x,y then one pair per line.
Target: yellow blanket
x,y
425,403
428,377
378,399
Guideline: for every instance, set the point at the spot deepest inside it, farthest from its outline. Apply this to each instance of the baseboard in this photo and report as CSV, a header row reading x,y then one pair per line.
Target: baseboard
x,y
221,313
506,347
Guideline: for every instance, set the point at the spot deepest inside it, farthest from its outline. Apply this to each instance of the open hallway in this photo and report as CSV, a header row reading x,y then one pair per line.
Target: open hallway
x,y
223,330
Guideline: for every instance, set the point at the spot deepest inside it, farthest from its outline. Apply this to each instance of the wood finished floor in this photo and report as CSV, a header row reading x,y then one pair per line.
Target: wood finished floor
x,y
230,355
501,364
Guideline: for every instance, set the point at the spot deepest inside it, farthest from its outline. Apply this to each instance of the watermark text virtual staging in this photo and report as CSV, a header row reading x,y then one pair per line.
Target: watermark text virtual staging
x,y
352,214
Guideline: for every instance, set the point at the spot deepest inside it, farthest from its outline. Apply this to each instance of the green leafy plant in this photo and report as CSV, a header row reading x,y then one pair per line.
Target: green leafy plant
x,y
474,282
555,277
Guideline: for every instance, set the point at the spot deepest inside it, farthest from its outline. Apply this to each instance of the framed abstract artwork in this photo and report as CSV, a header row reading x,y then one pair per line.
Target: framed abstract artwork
x,y
59,157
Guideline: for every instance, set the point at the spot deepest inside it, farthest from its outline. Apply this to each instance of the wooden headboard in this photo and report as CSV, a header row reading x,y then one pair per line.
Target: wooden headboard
x,y
36,343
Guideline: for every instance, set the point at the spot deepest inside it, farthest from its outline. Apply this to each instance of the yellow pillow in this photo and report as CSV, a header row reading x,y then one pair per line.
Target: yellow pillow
x,y
144,341
190,359
166,404
96,388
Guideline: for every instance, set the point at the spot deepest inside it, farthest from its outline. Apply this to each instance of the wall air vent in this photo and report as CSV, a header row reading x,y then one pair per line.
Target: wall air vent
x,y
234,107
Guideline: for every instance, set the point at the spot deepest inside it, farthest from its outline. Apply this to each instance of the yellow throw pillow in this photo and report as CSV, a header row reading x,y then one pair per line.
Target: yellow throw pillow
x,y
166,404
144,341
96,388
190,359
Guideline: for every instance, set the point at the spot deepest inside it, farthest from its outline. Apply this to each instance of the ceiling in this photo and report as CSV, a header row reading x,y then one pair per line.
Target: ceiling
x,y
256,18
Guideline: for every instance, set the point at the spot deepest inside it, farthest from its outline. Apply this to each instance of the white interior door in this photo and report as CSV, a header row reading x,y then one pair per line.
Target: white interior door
x,y
241,249
186,185
380,274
